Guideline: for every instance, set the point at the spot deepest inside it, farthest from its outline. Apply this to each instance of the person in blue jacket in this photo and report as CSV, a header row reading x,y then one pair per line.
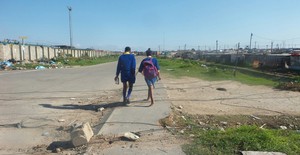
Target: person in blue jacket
x,y
126,66
150,82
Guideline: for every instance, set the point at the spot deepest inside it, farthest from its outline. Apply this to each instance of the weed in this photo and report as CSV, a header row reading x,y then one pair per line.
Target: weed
x,y
211,136
244,138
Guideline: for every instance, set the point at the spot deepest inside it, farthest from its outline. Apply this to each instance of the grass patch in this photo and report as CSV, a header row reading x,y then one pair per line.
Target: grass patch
x,y
210,135
197,69
69,61
244,138
87,61
30,65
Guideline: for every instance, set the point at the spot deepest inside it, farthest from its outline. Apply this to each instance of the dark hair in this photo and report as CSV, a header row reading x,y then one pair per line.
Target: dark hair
x,y
127,49
148,52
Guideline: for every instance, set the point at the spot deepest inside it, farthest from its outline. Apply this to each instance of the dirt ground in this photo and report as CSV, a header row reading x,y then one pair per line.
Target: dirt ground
x,y
212,104
54,131
231,98
229,103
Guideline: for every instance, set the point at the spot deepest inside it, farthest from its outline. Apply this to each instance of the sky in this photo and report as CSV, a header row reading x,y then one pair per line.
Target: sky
x,y
155,24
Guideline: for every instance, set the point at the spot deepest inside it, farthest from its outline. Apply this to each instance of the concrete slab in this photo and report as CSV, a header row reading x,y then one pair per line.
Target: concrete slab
x,y
142,151
138,117
82,135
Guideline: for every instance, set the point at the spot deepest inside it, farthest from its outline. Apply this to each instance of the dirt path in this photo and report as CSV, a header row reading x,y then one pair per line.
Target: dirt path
x,y
230,98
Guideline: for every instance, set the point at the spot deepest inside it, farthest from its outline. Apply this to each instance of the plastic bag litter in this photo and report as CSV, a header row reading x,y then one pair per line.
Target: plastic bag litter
x,y
6,64
131,136
52,62
39,67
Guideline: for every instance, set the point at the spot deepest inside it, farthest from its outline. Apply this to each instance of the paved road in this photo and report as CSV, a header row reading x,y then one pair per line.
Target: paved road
x,y
23,92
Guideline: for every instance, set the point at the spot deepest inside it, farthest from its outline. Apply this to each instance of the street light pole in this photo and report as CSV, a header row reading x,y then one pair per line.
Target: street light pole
x,y
70,26
250,40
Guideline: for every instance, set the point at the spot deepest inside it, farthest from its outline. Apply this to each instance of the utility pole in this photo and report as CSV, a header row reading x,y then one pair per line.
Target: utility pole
x,y
236,59
185,47
198,47
70,26
250,40
163,43
271,46
158,48
217,45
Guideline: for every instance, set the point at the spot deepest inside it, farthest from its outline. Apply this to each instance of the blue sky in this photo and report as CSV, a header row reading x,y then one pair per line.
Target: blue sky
x,y
170,24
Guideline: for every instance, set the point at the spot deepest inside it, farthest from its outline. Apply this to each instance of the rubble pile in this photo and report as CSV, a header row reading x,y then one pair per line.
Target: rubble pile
x,y
292,86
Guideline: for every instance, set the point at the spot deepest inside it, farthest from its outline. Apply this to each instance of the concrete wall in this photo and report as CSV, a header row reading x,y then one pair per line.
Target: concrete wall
x,y
32,53
1,52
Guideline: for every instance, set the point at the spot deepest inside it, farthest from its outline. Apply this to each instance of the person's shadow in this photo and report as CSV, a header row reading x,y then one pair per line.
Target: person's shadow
x,y
93,107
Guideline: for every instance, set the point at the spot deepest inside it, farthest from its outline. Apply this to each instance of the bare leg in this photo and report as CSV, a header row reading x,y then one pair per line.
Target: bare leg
x,y
148,98
150,94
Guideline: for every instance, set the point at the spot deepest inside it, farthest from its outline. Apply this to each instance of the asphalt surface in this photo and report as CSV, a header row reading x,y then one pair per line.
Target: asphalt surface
x,y
23,94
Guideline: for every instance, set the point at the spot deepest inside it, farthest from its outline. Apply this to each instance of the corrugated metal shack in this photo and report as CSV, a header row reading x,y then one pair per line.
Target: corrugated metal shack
x,y
268,60
295,61
256,60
